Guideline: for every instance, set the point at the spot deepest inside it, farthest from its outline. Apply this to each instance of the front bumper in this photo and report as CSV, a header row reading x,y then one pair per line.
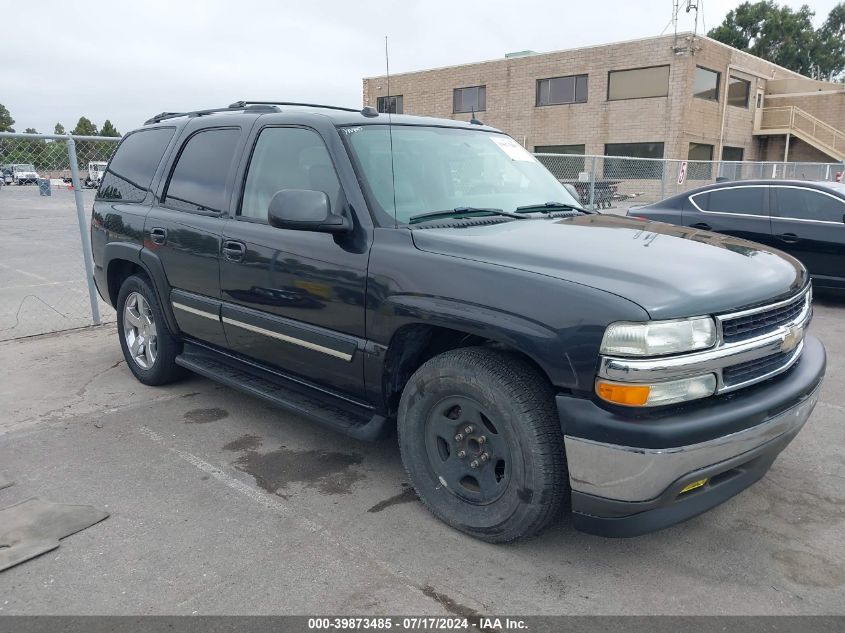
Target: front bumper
x,y
627,474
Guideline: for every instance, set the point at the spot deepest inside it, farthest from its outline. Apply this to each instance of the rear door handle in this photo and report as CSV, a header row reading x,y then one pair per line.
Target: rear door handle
x,y
233,251
789,238
158,235
701,225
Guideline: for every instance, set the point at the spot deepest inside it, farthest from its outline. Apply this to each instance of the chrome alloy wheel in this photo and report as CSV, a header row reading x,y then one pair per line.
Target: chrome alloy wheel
x,y
139,331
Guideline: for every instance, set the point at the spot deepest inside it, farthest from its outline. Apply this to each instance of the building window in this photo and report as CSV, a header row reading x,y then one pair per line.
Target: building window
x,y
562,167
622,169
559,90
638,83
730,168
732,153
700,170
390,104
706,84
738,91
472,99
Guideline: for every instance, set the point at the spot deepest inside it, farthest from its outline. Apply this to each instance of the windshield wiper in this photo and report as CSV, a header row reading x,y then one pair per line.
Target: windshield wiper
x,y
550,207
463,211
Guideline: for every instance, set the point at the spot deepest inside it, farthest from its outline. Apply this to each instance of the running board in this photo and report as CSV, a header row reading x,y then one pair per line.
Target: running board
x,y
359,424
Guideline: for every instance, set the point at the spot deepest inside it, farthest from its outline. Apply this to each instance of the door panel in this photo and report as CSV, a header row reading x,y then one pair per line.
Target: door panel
x,y
807,224
741,211
294,299
185,229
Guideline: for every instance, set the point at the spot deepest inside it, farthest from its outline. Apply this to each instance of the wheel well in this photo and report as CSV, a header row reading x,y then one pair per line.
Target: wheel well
x,y
119,270
413,345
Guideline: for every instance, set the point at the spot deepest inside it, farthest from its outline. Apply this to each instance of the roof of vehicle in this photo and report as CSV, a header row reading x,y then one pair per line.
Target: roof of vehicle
x,y
339,116
674,202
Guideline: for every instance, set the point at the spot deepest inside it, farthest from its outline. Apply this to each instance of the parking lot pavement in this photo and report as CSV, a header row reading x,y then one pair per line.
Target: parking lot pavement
x,y
42,274
220,504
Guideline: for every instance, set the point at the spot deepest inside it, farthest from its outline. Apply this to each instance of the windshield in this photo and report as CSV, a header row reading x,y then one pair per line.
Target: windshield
x,y
441,169
25,167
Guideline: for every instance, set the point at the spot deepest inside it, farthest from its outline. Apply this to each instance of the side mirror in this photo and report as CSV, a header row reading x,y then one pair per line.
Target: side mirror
x,y
305,210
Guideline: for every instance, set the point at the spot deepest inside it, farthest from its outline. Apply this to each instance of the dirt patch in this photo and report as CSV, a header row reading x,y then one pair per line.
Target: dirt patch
x,y
328,472
244,443
809,570
457,608
406,496
204,416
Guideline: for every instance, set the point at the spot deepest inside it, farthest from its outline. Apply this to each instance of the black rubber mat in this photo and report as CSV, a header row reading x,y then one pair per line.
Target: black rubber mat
x,y
34,526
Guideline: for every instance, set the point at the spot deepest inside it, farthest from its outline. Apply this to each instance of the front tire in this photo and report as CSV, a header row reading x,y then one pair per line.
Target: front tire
x,y
482,444
148,346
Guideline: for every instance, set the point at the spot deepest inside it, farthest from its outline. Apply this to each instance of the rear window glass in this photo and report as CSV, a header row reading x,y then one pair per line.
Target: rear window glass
x,y
134,164
198,181
745,200
806,204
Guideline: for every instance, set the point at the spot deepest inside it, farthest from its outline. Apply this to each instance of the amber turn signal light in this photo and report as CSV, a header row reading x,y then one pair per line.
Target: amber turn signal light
x,y
630,395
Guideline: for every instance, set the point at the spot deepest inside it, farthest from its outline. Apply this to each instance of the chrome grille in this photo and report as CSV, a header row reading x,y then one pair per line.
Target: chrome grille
x,y
757,369
747,326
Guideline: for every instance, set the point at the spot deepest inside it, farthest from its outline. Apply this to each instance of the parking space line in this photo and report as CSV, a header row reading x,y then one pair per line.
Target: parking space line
x,y
23,272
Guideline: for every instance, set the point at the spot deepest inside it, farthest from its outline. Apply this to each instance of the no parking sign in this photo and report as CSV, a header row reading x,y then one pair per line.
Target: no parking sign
x,y
682,172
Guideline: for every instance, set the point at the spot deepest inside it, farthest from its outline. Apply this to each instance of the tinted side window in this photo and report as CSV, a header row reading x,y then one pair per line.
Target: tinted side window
x,y
198,181
288,158
747,200
134,164
805,204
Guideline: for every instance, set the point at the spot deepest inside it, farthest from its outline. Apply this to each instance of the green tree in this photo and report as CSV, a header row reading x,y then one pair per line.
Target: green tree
x,y
785,36
30,130
6,120
84,127
109,129
59,129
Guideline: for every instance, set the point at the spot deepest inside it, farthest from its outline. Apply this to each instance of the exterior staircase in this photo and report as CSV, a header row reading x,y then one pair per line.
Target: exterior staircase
x,y
801,124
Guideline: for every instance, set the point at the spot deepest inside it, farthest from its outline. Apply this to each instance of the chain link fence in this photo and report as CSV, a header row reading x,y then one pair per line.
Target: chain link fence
x,y
618,183
47,191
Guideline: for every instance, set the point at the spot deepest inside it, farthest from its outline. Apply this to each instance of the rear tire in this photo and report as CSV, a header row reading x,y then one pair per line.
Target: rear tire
x,y
150,349
474,402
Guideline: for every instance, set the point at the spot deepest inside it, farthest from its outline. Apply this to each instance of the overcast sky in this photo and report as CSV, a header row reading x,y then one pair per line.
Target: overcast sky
x,y
127,60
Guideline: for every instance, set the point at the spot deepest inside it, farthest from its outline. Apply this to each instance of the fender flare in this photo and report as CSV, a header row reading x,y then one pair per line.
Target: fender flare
x,y
151,264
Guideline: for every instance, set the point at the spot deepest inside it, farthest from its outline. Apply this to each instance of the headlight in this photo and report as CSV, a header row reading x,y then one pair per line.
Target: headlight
x,y
656,338
638,395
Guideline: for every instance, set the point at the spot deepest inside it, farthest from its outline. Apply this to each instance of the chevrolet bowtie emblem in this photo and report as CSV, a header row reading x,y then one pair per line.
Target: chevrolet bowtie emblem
x,y
791,339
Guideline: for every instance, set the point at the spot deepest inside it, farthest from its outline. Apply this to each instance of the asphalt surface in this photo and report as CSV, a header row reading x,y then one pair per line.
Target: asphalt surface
x,y
42,274
222,505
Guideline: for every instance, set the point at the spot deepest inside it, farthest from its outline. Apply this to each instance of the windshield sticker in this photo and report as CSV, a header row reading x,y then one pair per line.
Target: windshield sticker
x,y
514,150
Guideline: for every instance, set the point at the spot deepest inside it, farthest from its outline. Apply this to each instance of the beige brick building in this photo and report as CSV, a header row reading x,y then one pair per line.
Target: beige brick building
x,y
673,97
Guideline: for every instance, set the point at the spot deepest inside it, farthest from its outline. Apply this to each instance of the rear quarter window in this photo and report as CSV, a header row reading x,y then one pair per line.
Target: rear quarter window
x,y
134,164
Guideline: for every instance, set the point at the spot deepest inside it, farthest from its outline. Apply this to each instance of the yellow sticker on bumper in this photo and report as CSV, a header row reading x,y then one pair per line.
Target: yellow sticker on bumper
x,y
694,485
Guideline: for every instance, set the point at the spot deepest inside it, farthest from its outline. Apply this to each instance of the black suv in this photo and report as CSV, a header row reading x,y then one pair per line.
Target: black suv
x,y
373,272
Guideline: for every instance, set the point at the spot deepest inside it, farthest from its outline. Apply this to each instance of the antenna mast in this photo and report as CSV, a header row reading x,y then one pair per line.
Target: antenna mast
x,y
685,45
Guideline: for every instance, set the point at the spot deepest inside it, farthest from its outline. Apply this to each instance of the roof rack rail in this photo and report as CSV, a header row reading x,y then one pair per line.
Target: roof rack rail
x,y
247,102
235,107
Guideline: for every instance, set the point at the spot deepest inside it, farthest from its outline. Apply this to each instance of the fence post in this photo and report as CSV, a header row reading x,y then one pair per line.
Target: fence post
x,y
663,180
593,184
85,238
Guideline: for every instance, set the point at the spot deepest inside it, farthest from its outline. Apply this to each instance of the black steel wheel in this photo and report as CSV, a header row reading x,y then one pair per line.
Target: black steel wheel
x,y
482,444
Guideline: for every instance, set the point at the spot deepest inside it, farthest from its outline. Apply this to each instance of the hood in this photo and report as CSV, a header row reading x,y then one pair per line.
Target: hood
x,y
670,271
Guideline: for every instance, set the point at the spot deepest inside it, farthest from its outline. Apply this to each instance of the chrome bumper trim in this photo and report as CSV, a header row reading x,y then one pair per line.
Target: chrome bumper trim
x,y
640,474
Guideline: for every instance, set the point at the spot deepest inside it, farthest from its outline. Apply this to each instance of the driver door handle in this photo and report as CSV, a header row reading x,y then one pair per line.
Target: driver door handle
x,y
789,238
233,251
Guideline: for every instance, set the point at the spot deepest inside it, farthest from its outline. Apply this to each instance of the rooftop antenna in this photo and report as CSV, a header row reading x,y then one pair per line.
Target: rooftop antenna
x,y
390,128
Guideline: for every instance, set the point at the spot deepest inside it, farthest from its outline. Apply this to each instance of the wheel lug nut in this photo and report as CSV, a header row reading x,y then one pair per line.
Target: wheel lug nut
x,y
482,439
462,454
468,430
484,457
473,463
459,437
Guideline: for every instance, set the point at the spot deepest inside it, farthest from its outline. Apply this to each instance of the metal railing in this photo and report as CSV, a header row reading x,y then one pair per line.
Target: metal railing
x,y
606,182
794,120
46,272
